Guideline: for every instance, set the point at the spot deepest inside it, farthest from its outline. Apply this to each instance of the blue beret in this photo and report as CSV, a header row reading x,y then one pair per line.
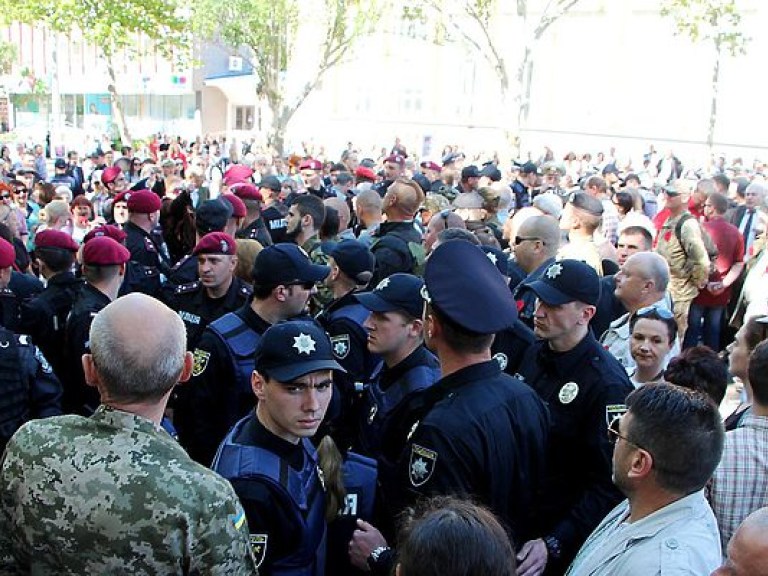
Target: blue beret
x,y
463,284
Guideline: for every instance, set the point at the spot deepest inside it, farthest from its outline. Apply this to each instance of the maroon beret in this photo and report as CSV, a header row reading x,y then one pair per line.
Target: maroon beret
x,y
55,239
105,251
237,173
7,253
143,202
110,174
238,208
430,165
216,243
121,197
107,230
364,173
246,191
398,159
310,164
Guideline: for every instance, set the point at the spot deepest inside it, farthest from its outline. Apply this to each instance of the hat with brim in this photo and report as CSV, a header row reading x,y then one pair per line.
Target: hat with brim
x,y
548,293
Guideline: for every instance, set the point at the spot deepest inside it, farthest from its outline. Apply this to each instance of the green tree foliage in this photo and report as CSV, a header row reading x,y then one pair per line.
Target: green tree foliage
x,y
270,34
112,27
717,22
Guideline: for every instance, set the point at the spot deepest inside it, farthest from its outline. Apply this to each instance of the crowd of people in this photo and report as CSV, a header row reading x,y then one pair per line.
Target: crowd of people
x,y
231,362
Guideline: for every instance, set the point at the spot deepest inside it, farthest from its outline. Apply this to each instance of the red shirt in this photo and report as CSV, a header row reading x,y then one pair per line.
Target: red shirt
x,y
730,250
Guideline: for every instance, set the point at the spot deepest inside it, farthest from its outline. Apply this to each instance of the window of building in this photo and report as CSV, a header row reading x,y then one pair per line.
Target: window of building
x,y
244,117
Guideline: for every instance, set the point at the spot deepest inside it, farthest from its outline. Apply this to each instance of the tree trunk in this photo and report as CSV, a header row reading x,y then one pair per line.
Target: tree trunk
x,y
117,106
715,90
524,79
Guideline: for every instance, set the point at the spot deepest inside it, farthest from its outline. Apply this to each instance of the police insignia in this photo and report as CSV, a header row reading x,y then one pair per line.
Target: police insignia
x,y
554,270
613,411
372,414
501,358
568,393
201,361
421,465
340,345
259,547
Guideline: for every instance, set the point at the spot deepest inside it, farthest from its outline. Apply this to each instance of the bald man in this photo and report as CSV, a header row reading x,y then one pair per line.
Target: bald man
x,y
342,208
129,486
748,549
441,221
369,216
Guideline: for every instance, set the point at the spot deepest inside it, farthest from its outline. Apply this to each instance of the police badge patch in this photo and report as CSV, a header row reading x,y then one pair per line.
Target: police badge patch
x,y
501,358
340,345
259,547
421,465
613,411
201,361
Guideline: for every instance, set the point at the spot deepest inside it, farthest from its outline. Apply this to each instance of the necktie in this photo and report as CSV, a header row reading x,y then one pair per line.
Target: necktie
x,y
748,226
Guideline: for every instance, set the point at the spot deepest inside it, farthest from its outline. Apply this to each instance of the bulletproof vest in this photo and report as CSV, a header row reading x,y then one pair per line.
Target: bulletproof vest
x,y
14,393
300,492
241,340
382,404
360,483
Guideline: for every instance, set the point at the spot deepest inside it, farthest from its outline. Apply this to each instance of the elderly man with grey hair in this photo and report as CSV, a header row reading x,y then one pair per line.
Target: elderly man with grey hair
x,y
750,218
641,283
116,480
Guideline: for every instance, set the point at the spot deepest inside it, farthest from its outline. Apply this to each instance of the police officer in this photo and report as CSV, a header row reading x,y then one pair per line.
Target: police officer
x,y
275,211
28,388
44,318
255,227
395,332
217,292
585,388
146,250
482,432
268,458
210,216
351,266
104,261
219,390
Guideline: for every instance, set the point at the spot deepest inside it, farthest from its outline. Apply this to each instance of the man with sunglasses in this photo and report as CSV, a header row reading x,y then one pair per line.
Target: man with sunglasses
x,y
219,392
584,387
667,446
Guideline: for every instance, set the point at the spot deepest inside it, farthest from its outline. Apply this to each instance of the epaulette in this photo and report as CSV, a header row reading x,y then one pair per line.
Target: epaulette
x,y
187,288
149,245
180,262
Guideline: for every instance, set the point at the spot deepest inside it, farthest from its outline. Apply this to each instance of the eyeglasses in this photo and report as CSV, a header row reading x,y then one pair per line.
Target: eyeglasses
x,y
520,239
614,434
655,312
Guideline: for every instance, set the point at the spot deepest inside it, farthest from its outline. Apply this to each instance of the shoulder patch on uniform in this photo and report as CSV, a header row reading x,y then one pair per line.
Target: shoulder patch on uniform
x,y
187,288
341,346
201,358
421,465
259,547
613,411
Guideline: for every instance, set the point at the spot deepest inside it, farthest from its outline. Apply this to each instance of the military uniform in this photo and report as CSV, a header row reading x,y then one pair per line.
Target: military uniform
x,y
145,252
393,245
198,310
45,319
28,387
79,397
133,502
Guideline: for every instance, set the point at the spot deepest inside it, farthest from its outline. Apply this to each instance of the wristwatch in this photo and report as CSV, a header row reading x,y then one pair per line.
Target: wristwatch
x,y
376,556
554,549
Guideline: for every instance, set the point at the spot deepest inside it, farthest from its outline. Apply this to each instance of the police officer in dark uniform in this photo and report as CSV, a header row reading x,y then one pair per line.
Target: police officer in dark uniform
x,y
482,432
44,318
210,216
392,398
104,260
275,212
217,292
268,458
219,390
584,387
352,267
524,185
143,216
28,387
255,227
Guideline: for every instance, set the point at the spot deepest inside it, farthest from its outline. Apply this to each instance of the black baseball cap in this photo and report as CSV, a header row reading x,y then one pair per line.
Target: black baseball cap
x,y
291,349
529,168
355,260
285,263
567,281
470,171
212,216
396,293
270,183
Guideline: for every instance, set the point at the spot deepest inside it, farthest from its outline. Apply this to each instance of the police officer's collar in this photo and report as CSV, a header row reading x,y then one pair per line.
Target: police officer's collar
x,y
466,375
564,362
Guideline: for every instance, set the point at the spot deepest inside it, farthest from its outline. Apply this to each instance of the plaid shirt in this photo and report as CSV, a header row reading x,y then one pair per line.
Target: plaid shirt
x,y
740,484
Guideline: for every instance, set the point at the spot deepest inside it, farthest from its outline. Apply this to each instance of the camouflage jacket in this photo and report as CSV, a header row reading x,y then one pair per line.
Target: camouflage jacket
x,y
113,494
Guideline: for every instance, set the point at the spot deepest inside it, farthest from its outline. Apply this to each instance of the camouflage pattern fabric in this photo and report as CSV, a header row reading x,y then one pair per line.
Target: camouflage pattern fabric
x,y
113,494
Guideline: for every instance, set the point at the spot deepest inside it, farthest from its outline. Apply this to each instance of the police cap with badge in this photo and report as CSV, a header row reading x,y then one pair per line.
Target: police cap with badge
x,y
464,286
397,293
355,260
292,349
567,281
